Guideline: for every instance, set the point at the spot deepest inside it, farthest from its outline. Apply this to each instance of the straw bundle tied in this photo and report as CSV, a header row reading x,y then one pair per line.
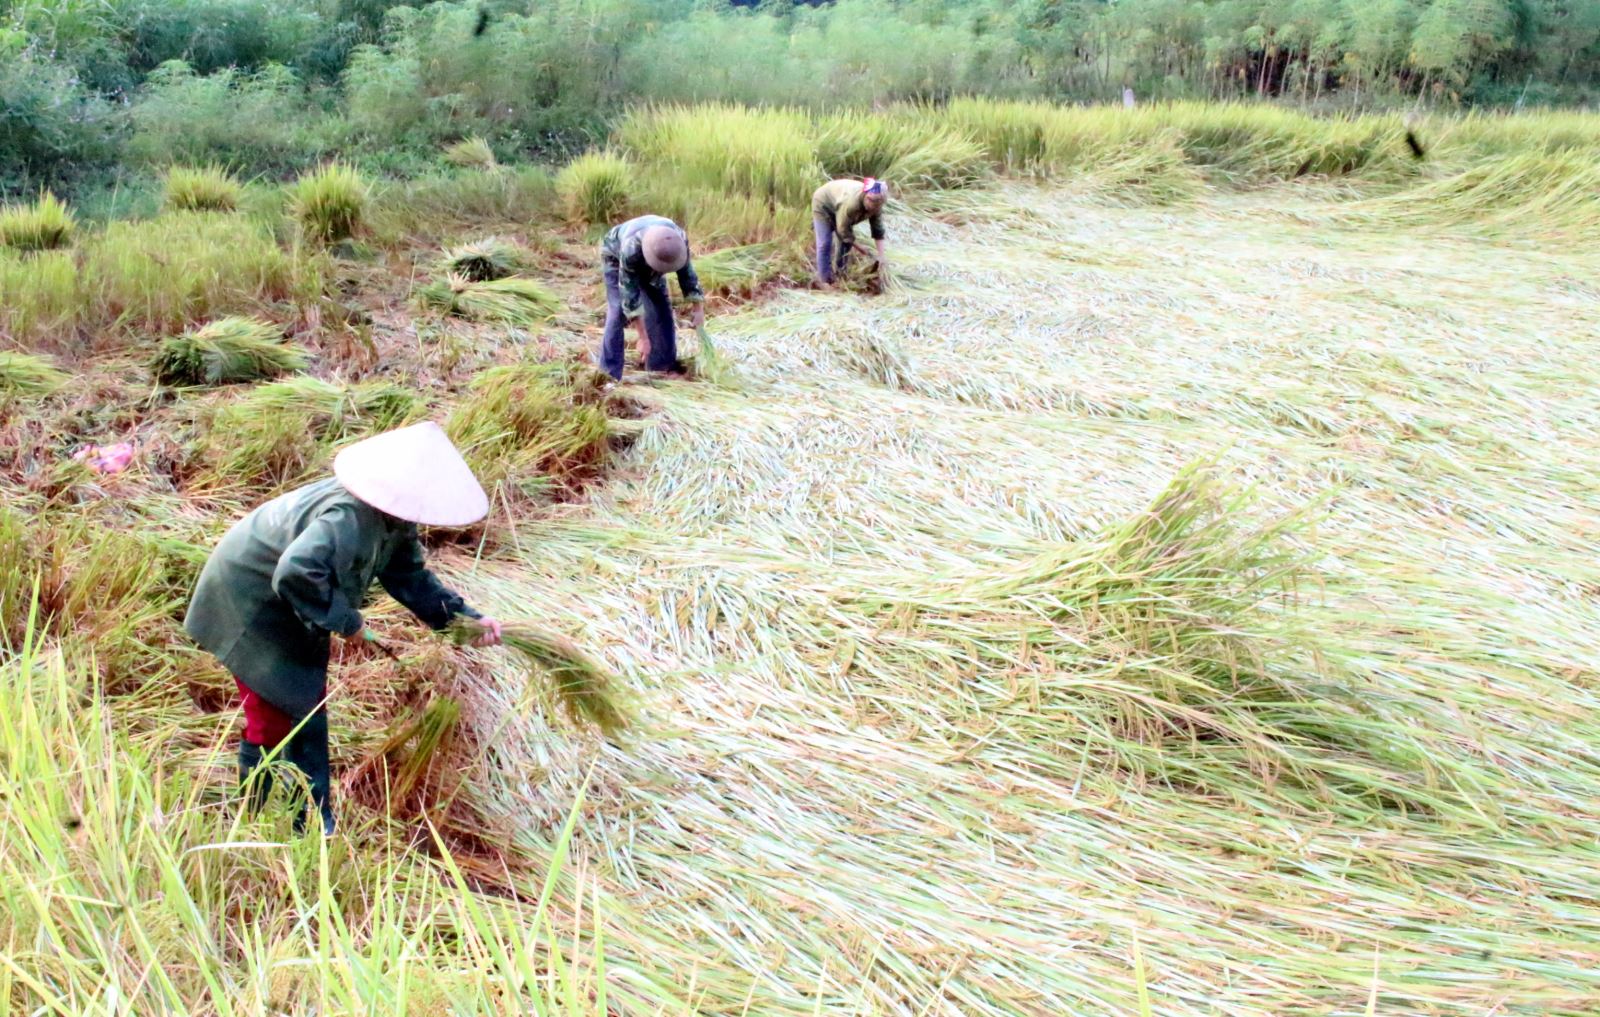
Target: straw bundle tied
x,y
573,681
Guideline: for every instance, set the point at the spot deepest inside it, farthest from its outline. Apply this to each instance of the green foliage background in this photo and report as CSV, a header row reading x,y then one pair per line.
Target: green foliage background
x,y
268,85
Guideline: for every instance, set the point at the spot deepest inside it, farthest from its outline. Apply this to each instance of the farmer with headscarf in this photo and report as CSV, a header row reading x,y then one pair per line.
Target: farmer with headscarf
x,y
636,258
837,208
295,572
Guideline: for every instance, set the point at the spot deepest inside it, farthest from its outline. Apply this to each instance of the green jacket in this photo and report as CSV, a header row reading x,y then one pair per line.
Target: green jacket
x,y
297,569
622,248
840,202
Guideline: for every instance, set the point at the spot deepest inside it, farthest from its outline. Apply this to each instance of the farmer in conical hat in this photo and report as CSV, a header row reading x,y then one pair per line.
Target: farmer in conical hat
x,y
837,208
295,571
636,258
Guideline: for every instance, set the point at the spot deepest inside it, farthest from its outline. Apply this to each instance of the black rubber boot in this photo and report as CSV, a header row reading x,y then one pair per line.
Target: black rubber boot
x,y
255,783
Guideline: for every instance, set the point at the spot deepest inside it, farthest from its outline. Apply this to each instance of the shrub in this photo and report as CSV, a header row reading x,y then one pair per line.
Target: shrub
x,y
520,302
225,351
535,429
330,202
51,124
44,225
595,188
200,189
260,121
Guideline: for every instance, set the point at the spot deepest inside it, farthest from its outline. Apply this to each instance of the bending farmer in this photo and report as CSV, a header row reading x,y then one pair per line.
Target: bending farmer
x,y
636,258
837,208
295,572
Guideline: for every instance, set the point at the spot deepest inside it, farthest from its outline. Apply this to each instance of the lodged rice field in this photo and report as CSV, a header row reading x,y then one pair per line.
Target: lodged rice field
x,y
1175,594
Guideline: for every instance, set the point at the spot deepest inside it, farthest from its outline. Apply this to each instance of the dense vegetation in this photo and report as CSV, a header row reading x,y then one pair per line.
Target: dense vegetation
x,y
266,86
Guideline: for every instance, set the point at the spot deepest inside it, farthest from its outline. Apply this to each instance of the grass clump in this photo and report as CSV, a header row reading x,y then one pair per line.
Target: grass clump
x,y
42,299
534,429
574,683
43,225
471,153
513,301
201,189
226,351
330,202
596,189
485,260
279,433
27,375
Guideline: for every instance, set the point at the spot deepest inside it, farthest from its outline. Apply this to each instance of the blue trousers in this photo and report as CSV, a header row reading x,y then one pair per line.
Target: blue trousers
x,y
827,263
660,324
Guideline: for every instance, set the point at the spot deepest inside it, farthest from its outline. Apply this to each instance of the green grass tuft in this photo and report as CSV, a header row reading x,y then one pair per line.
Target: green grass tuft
x,y
44,225
331,202
226,351
201,189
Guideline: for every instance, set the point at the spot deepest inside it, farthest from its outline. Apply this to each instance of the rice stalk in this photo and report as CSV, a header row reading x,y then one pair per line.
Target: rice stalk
x,y
511,301
472,153
572,681
25,375
330,202
226,351
44,225
485,260
200,189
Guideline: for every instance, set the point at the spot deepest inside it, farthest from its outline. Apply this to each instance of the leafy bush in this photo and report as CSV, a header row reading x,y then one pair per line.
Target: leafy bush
x,y
258,121
51,125
596,187
201,189
330,202
225,351
44,225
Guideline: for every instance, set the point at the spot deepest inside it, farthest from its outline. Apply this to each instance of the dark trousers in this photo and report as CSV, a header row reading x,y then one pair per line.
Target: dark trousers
x,y
659,324
266,727
829,264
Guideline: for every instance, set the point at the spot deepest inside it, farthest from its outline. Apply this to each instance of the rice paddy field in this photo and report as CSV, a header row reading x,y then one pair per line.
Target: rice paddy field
x,y
1177,593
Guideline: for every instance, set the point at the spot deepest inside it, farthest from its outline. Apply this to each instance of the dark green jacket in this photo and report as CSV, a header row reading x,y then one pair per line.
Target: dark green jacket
x,y
842,204
623,247
297,569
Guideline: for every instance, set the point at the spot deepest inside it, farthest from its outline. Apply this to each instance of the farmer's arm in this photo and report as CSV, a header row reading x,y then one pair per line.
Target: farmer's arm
x,y
308,571
689,283
407,579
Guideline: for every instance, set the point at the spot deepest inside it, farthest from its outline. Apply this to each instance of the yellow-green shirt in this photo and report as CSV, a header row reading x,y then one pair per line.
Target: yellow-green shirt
x,y
842,203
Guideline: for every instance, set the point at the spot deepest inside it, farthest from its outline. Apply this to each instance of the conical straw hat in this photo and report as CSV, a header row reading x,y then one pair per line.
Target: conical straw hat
x,y
414,474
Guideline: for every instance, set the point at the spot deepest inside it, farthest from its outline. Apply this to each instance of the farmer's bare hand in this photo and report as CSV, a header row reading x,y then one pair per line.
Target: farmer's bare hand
x,y
493,633
644,339
700,315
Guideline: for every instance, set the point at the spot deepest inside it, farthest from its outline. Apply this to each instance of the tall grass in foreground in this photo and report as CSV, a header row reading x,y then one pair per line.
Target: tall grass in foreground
x,y
129,884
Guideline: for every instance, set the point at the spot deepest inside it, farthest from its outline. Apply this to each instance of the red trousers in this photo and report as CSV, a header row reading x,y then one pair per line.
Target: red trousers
x,y
264,724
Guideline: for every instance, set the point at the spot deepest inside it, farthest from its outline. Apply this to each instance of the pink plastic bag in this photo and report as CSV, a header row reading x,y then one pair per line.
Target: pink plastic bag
x,y
106,459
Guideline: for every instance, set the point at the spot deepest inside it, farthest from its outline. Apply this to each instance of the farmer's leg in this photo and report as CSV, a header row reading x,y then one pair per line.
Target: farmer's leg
x,y
661,325
824,231
845,247
611,341
265,727
307,749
